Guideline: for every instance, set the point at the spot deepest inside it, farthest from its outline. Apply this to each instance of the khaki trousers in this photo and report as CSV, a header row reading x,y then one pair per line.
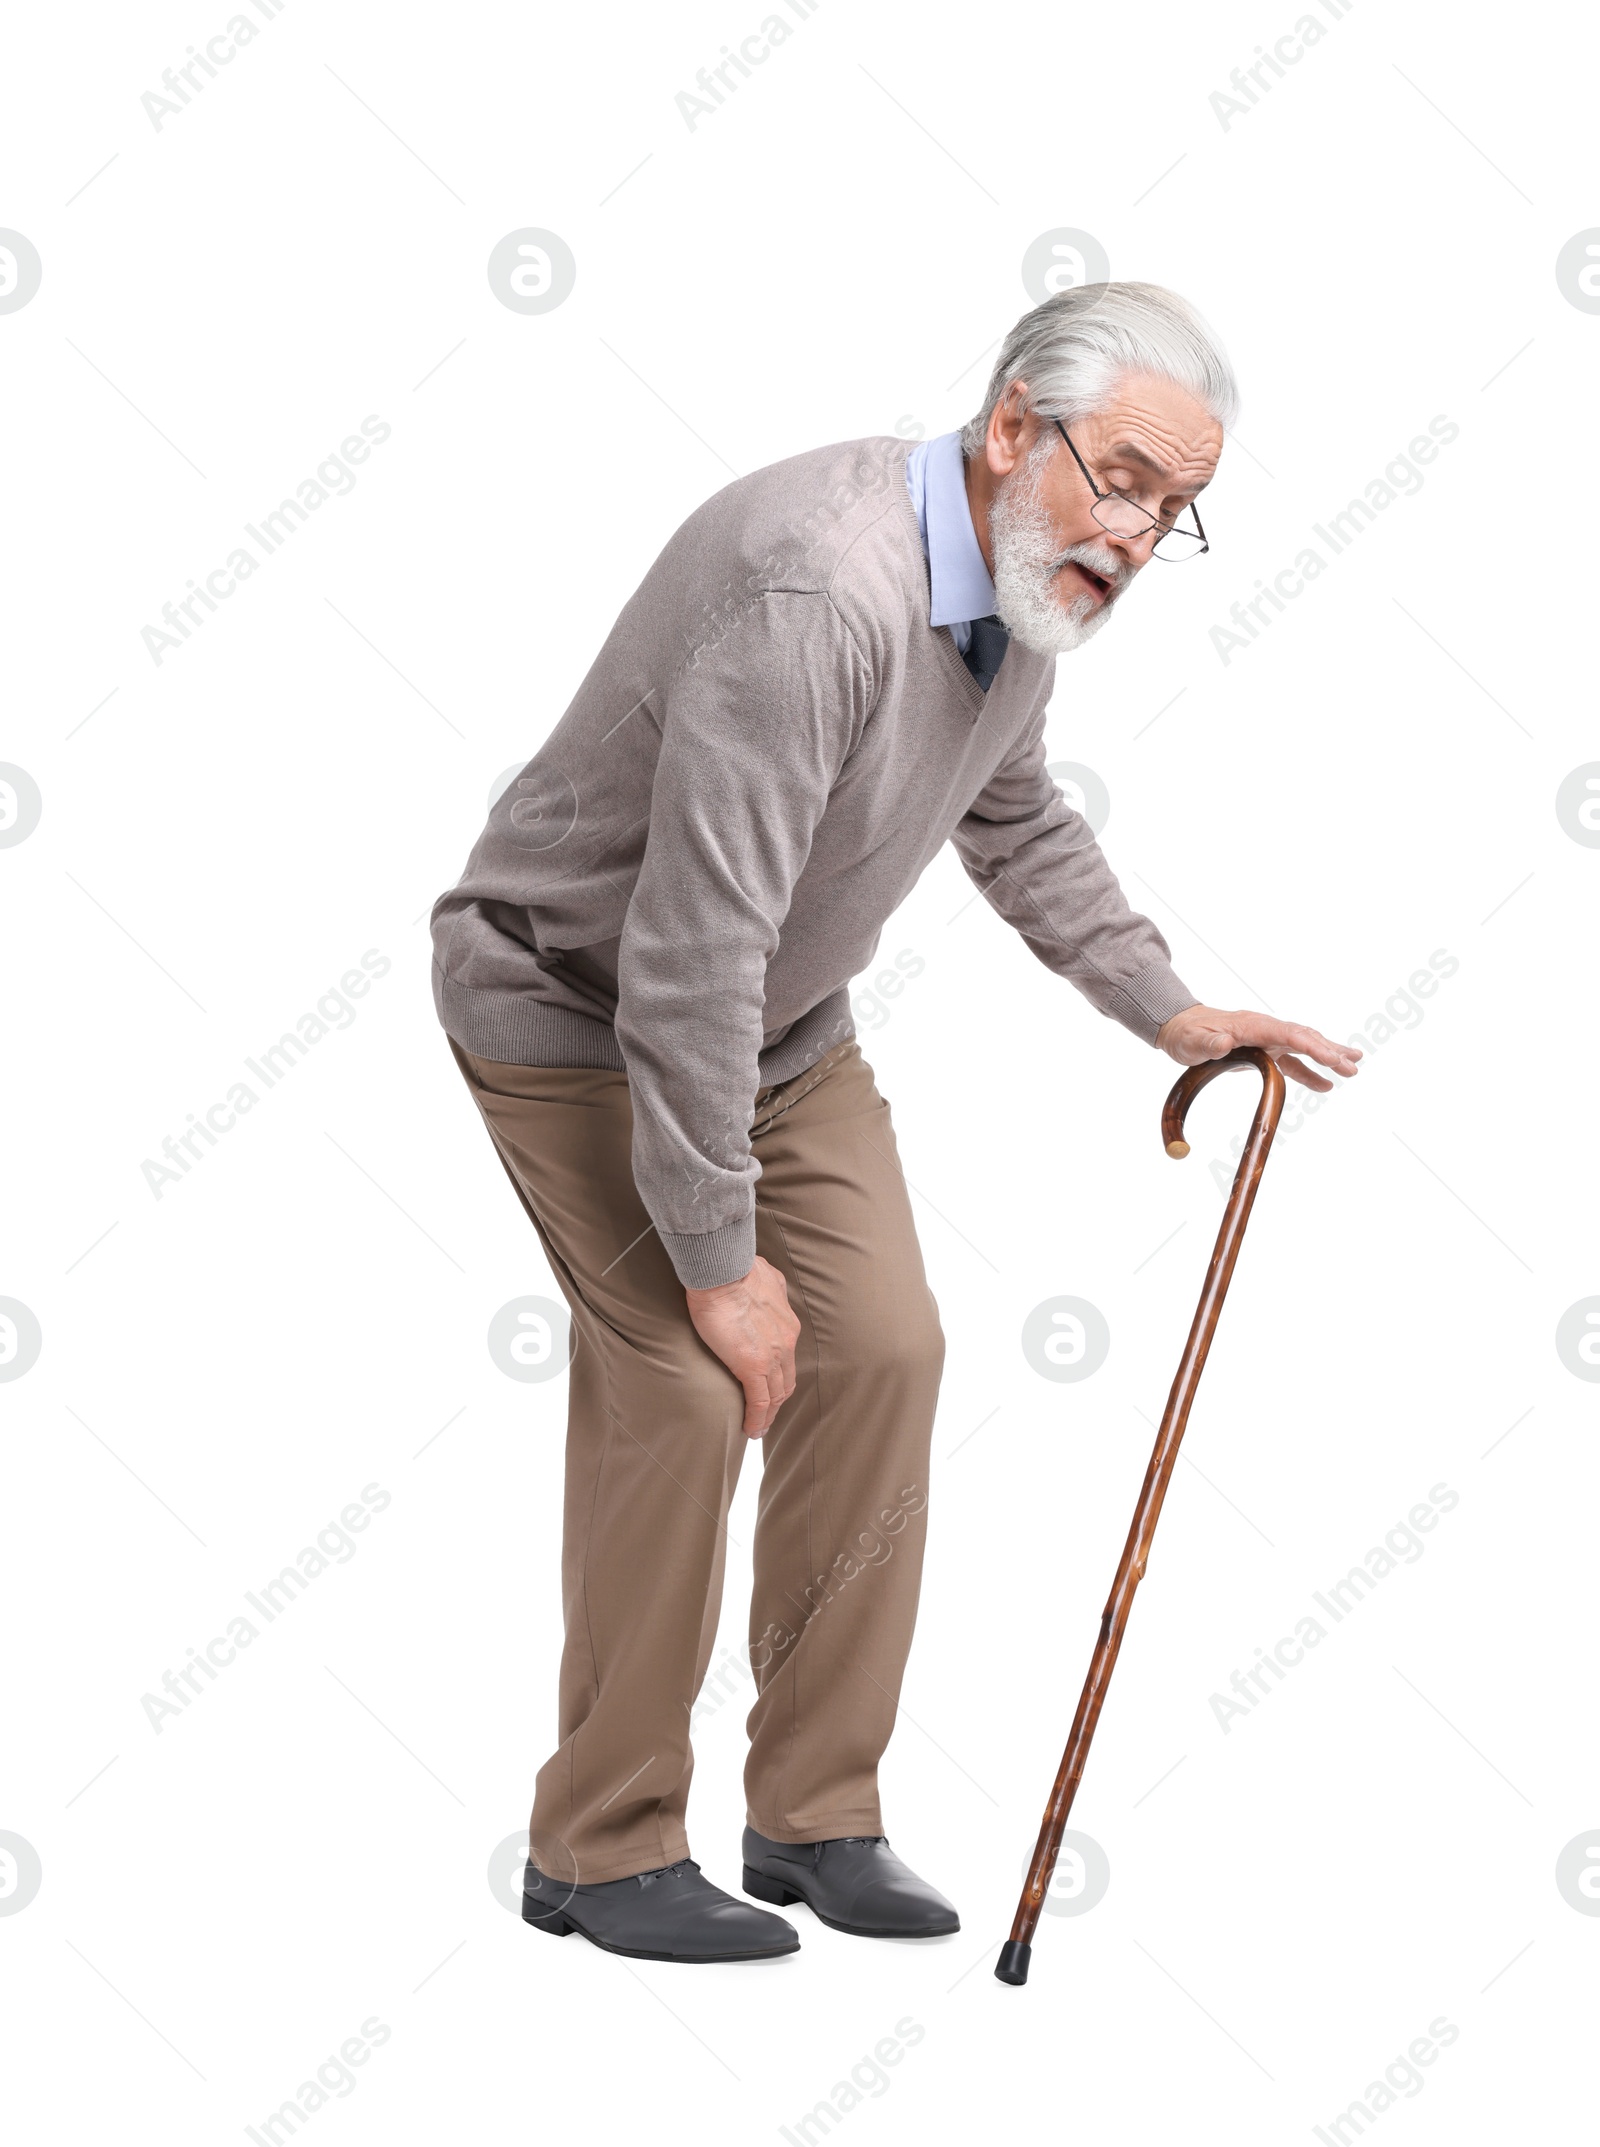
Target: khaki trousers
x,y
654,1447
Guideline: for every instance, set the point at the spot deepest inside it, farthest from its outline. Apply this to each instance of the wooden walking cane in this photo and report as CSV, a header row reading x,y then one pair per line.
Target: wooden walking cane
x,y
1012,1966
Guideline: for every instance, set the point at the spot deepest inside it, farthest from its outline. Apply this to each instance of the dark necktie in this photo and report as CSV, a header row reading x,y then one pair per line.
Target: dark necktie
x,y
986,651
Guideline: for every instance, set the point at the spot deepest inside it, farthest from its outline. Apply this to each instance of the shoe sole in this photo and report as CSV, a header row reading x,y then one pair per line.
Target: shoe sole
x,y
562,1925
778,1895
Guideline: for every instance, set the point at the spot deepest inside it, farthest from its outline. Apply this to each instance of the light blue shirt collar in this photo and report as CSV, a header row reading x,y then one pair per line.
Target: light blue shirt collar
x,y
960,588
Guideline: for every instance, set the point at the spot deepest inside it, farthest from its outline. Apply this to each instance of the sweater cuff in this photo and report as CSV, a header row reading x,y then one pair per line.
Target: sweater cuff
x,y
705,1259
1153,996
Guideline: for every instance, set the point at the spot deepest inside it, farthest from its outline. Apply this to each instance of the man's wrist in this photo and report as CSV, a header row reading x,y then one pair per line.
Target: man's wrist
x,y
1171,1021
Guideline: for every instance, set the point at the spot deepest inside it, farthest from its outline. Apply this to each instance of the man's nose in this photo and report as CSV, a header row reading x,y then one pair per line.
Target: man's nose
x,y
1136,550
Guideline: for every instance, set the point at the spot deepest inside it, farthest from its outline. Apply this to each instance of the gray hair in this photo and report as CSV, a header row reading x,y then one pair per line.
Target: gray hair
x,y
1072,350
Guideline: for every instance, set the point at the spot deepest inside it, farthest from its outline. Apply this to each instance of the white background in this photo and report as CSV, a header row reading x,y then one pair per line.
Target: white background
x,y
831,253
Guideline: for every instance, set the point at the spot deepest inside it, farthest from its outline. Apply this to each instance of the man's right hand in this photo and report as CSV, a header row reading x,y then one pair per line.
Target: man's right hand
x,y
749,1325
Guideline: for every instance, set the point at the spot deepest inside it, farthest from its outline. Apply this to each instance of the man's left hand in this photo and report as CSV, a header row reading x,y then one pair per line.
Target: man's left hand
x,y
1205,1032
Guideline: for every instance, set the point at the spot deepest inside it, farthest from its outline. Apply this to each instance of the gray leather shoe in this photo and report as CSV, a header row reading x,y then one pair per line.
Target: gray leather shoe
x,y
668,1915
856,1884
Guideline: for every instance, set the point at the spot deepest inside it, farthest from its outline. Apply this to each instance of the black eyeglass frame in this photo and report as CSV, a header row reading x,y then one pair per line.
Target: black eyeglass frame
x,y
1152,521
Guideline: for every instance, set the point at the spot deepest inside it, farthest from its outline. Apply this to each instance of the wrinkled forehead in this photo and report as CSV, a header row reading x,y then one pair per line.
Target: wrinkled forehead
x,y
1158,429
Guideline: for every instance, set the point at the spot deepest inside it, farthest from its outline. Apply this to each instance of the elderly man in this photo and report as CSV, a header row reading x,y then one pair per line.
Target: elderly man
x,y
836,665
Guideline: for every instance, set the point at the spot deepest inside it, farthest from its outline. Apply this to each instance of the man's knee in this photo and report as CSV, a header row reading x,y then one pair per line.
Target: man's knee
x,y
701,1389
665,1382
903,1343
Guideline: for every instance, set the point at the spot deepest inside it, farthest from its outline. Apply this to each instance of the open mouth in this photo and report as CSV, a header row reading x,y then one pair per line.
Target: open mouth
x,y
1098,585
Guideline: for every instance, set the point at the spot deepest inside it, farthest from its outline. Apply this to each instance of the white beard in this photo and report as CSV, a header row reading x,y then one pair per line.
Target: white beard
x,y
1027,560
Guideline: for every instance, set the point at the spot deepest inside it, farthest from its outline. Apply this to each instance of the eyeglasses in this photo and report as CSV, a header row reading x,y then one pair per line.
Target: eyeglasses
x,y
1124,517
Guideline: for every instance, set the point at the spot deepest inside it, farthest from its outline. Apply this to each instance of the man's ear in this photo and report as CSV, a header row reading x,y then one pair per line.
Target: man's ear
x,y
1002,442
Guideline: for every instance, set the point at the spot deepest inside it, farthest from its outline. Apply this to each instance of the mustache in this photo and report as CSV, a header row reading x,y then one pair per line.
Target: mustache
x,y
1117,573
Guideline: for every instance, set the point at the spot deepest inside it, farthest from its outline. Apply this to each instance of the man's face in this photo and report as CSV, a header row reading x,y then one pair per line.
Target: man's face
x,y
1057,573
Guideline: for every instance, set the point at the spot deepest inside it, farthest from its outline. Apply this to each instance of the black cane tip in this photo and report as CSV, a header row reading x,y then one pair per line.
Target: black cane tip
x,y
1012,1966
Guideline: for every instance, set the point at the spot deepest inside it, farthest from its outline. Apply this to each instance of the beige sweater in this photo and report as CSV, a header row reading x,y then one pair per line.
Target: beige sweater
x,y
762,760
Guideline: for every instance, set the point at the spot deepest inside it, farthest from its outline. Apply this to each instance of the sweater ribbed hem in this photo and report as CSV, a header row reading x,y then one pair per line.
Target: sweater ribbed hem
x,y
705,1260
515,1029
518,1030
1155,993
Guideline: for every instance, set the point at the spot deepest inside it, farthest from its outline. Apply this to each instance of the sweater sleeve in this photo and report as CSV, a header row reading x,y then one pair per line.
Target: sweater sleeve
x,y
1037,862
754,732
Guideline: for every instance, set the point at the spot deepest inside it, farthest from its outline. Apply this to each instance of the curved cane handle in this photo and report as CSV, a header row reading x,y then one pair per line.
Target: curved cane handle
x,y
1194,1078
